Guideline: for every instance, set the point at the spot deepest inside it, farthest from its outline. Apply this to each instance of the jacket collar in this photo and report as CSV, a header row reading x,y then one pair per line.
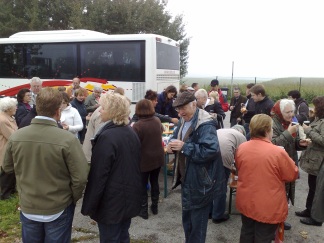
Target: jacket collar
x,y
44,122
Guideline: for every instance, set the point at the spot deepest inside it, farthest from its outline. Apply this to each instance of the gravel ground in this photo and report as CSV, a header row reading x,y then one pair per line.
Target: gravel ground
x,y
166,227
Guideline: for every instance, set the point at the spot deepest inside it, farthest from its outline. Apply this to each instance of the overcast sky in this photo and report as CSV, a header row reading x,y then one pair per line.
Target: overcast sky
x,y
277,38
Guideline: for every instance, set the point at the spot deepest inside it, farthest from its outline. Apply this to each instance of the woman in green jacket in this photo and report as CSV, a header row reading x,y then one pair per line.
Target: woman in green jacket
x,y
312,159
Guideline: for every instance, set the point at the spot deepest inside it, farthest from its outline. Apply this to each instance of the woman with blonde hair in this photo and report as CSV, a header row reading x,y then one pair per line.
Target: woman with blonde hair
x,y
263,168
114,191
214,95
8,108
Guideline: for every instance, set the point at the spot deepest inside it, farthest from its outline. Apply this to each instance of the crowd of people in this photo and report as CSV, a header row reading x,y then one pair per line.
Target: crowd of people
x,y
56,142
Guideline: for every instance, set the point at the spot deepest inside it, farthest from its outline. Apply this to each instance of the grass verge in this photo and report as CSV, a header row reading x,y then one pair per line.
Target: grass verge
x,y
10,227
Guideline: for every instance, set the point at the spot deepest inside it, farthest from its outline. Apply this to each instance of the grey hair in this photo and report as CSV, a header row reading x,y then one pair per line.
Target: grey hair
x,y
36,80
7,103
97,88
239,128
201,93
285,102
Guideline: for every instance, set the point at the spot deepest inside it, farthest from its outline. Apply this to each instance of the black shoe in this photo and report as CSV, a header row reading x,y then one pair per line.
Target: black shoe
x,y
310,221
305,213
221,220
210,216
154,209
287,226
144,212
143,215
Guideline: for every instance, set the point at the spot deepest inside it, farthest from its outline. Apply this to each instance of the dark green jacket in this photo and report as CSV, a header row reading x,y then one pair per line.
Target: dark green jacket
x,y
312,159
282,137
50,167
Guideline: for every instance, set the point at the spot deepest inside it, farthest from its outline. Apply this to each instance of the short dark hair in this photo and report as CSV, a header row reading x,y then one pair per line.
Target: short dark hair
x,y
144,108
295,94
21,95
48,101
250,85
214,82
194,85
66,98
258,89
151,95
319,106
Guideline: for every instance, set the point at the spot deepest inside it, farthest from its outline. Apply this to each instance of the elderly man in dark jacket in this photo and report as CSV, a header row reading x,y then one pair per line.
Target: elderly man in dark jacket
x,y
199,167
235,107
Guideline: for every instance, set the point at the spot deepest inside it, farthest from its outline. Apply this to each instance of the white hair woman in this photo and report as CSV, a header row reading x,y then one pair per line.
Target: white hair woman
x,y
114,191
285,134
8,107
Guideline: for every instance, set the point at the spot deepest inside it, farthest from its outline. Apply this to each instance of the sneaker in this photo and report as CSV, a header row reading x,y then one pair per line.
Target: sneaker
x,y
287,226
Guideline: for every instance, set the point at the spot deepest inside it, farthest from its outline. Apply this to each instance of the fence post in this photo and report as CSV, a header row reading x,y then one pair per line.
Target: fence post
x,y
299,83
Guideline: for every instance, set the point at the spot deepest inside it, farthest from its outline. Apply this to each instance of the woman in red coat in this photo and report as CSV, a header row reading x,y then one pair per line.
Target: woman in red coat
x,y
263,169
149,130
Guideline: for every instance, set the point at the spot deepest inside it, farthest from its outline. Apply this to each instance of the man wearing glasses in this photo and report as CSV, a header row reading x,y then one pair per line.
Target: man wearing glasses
x,y
198,168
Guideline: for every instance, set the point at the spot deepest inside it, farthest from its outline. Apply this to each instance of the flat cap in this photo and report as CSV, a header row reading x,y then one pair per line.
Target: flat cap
x,y
183,99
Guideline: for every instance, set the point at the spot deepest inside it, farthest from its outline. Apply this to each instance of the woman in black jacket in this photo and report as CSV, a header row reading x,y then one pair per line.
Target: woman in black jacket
x,y
114,191
23,98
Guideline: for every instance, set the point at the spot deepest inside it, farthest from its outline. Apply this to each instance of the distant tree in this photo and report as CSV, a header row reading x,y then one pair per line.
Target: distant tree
x,y
107,16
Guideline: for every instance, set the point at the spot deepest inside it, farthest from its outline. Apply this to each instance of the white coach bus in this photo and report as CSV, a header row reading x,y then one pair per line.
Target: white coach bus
x,y
135,62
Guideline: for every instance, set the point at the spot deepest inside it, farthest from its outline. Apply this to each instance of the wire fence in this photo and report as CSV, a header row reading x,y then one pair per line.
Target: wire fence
x,y
276,88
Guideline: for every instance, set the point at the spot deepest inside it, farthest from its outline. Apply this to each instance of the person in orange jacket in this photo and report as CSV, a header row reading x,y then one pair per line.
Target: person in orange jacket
x,y
263,168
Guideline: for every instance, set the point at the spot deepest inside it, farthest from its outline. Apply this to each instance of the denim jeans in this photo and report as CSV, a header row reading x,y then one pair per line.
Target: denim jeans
x,y
58,230
247,130
218,206
115,233
195,224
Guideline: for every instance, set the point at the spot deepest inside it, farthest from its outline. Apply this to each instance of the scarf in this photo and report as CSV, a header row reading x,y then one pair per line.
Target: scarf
x,y
276,112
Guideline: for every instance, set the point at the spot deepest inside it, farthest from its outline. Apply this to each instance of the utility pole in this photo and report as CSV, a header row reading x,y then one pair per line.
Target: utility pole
x,y
232,79
299,84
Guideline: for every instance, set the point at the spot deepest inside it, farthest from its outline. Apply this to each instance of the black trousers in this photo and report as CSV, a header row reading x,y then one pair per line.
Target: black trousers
x,y
253,231
311,191
153,176
7,184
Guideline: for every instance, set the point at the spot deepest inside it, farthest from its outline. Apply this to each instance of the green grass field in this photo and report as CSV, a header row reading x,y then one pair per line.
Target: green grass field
x,y
275,88
9,220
